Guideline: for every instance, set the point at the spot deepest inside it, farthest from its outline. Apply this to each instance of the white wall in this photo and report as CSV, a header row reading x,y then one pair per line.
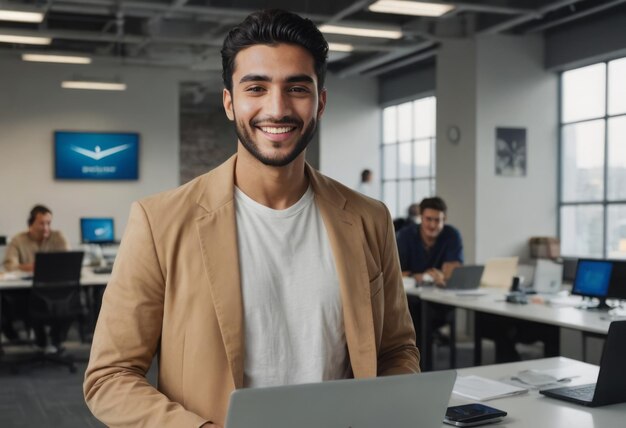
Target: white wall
x,y
350,130
33,105
515,91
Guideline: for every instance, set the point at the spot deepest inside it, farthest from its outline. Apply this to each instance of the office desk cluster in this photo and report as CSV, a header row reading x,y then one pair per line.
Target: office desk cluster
x,y
492,301
89,280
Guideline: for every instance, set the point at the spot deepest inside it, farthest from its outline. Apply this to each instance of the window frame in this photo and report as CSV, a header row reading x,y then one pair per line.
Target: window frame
x,y
605,203
430,179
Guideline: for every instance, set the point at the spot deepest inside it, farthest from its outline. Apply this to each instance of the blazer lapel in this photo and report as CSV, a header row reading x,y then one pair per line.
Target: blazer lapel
x,y
346,240
217,233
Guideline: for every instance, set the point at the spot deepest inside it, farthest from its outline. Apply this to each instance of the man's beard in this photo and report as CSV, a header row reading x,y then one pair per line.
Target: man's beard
x,y
248,142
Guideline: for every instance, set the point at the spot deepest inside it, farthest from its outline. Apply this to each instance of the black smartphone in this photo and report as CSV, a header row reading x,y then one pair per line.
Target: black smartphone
x,y
471,415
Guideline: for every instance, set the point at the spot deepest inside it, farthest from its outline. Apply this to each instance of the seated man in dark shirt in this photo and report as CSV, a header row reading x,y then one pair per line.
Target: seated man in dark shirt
x,y
429,252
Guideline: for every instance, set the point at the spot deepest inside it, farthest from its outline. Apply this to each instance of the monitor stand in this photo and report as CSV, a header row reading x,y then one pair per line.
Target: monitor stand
x,y
590,305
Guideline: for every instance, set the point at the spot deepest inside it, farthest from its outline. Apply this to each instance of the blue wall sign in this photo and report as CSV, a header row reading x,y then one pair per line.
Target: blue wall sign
x,y
96,155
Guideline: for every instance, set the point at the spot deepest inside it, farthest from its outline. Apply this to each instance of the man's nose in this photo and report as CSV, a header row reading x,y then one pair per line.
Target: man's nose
x,y
279,105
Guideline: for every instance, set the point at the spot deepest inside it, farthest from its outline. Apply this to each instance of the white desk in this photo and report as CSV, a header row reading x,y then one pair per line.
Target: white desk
x,y
14,280
492,302
533,410
592,323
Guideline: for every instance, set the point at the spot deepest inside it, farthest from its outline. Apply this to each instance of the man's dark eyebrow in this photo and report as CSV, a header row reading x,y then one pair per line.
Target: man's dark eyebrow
x,y
299,78
255,78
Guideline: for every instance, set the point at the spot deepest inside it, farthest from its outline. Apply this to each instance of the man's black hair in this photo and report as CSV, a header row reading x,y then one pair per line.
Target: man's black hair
x,y
365,175
434,203
270,27
37,209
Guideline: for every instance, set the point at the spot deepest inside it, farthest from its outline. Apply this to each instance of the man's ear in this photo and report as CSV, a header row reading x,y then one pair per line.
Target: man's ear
x,y
321,103
227,100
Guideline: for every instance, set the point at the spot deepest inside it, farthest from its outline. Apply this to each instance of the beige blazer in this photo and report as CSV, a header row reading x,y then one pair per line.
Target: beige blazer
x,y
175,292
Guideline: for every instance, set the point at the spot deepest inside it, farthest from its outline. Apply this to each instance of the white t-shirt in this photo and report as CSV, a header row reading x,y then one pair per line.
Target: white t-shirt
x,y
294,330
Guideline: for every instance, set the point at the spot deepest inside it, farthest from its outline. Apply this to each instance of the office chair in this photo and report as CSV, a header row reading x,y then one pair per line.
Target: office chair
x,y
55,300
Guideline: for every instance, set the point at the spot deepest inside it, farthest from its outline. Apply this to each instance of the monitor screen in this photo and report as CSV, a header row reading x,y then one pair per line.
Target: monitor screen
x,y
97,230
96,155
592,278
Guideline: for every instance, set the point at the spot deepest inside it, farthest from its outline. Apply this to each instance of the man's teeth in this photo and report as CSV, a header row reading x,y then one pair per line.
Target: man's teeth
x,y
272,130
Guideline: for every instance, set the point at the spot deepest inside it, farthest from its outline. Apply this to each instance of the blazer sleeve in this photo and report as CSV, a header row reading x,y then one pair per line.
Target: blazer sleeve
x,y
398,353
127,336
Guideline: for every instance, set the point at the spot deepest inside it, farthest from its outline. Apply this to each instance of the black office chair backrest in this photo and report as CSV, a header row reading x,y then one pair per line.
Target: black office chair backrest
x,y
56,286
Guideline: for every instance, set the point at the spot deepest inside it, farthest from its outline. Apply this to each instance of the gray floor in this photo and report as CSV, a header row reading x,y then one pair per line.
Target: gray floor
x,y
50,396
46,395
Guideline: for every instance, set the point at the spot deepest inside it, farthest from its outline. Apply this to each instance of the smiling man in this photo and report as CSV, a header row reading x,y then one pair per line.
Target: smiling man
x,y
263,271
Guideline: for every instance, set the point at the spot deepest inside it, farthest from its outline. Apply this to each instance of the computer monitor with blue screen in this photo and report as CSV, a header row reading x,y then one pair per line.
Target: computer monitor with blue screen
x,y
97,230
593,278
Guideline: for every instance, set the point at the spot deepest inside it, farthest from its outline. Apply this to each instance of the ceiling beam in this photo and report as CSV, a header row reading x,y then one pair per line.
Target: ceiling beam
x,y
537,14
362,66
404,62
576,16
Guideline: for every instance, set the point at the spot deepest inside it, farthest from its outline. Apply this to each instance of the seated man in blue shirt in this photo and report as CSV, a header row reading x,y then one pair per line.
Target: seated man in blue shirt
x,y
431,250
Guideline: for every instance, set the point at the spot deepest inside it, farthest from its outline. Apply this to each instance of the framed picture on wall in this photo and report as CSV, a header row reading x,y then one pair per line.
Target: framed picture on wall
x,y
511,156
82,155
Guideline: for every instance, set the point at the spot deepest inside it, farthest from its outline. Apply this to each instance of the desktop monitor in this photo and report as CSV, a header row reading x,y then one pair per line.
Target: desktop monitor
x,y
592,279
97,230
617,286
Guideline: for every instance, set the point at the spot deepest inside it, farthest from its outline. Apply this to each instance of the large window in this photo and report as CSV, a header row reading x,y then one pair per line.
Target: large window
x,y
408,154
593,161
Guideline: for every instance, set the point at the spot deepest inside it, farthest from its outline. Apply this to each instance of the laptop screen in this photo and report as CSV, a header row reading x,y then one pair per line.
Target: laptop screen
x,y
97,230
592,278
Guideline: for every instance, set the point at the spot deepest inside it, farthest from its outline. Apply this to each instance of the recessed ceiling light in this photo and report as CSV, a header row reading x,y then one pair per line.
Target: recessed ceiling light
x,y
402,7
25,40
19,16
65,59
361,31
340,47
98,86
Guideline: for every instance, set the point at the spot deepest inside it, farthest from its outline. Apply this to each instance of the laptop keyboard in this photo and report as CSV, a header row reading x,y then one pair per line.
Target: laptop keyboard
x,y
584,392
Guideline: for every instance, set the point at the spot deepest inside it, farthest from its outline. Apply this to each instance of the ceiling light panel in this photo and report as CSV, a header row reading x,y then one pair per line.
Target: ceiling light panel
x,y
340,47
24,40
64,59
402,7
19,16
97,86
361,31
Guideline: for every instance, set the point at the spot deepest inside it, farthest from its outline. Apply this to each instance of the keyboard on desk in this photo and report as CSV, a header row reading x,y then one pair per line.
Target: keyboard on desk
x,y
103,270
583,392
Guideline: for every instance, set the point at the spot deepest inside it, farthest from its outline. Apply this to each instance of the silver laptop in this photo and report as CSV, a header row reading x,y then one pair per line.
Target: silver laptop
x,y
465,278
548,277
405,401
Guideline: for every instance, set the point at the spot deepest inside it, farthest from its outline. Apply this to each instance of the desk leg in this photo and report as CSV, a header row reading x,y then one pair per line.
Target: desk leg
x,y
478,340
453,339
426,341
